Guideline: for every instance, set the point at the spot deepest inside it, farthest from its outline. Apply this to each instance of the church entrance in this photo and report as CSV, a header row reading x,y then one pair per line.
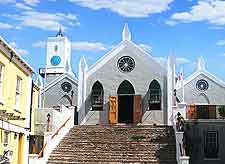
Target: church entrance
x,y
126,106
125,109
125,94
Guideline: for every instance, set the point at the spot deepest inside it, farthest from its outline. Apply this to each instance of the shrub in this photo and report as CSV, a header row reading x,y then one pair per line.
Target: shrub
x,y
222,111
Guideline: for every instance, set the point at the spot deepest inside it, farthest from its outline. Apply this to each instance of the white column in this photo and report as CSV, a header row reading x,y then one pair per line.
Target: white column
x,y
28,105
184,160
26,148
170,85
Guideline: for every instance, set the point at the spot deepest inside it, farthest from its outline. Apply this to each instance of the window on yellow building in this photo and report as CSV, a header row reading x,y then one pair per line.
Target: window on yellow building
x,y
1,80
18,92
6,138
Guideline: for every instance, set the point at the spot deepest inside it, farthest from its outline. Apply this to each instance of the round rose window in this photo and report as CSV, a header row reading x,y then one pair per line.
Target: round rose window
x,y
202,85
126,64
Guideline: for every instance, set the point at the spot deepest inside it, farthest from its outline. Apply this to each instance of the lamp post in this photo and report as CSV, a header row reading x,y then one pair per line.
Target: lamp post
x,y
48,122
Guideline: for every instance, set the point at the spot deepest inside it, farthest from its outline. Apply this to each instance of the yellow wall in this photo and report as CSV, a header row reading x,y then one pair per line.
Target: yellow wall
x,y
11,71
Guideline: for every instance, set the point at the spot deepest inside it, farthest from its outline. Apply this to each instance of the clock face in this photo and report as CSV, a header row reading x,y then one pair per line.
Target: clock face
x,y
126,64
55,60
202,85
66,87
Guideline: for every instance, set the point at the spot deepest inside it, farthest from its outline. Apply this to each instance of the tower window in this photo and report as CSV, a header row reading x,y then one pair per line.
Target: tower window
x,y
56,48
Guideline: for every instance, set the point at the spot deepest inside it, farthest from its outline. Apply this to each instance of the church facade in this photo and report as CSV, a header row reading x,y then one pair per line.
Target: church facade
x,y
127,85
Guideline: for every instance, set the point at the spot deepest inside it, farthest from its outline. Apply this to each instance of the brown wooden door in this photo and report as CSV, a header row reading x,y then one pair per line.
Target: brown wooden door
x,y
212,111
137,115
192,112
113,109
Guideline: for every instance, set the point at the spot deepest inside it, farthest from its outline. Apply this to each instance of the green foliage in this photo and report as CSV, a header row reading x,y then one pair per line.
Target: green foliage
x,y
222,111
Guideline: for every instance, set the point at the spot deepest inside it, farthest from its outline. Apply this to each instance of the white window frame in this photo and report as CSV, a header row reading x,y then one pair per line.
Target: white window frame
x,y
18,92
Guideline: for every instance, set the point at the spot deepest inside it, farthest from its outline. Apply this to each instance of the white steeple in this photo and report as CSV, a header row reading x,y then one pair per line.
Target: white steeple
x,y
83,67
83,64
201,64
68,69
126,33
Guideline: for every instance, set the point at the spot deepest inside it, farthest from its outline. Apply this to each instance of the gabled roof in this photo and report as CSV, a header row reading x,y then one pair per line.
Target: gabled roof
x,y
123,44
204,72
17,58
58,79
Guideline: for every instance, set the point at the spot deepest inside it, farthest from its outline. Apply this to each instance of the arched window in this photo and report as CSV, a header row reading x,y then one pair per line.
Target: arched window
x,y
97,95
154,96
125,88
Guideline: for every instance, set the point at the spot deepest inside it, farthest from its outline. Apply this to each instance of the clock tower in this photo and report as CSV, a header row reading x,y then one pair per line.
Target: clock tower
x,y
58,56
58,53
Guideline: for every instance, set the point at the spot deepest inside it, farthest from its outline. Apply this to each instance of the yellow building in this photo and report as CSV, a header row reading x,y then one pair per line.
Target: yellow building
x,y
15,103
35,138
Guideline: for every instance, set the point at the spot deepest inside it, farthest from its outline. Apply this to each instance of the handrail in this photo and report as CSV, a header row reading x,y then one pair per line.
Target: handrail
x,y
52,137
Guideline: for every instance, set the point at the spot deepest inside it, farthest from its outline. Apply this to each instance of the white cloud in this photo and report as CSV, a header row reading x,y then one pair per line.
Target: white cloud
x,y
171,23
89,46
5,26
127,8
78,46
221,43
19,50
211,11
22,6
181,60
31,2
146,47
45,21
7,1
39,44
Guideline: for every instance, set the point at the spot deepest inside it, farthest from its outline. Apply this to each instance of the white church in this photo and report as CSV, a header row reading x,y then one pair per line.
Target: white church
x,y
129,86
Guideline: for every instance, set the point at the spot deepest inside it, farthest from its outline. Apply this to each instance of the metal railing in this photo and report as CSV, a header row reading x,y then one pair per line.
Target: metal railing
x,y
53,136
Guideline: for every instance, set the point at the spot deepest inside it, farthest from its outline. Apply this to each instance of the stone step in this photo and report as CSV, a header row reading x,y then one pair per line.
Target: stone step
x,y
95,162
116,145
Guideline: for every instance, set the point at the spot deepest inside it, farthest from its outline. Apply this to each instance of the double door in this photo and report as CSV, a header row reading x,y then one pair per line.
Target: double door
x,y
115,107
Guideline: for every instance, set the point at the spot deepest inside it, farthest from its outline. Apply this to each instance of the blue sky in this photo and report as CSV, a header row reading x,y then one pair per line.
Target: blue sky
x,y
188,29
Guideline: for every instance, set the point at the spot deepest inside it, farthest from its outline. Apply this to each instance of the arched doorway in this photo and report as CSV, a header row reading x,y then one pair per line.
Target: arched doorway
x,y
125,102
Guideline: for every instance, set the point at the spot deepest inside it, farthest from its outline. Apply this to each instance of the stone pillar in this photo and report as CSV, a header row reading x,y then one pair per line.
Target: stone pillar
x,y
184,160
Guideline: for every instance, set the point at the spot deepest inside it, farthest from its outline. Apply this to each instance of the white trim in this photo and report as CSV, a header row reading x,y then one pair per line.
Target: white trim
x,y
12,127
26,149
22,63
107,57
2,67
104,59
207,74
55,81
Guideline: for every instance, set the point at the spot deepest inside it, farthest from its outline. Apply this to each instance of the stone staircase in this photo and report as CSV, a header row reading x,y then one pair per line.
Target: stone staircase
x,y
116,145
